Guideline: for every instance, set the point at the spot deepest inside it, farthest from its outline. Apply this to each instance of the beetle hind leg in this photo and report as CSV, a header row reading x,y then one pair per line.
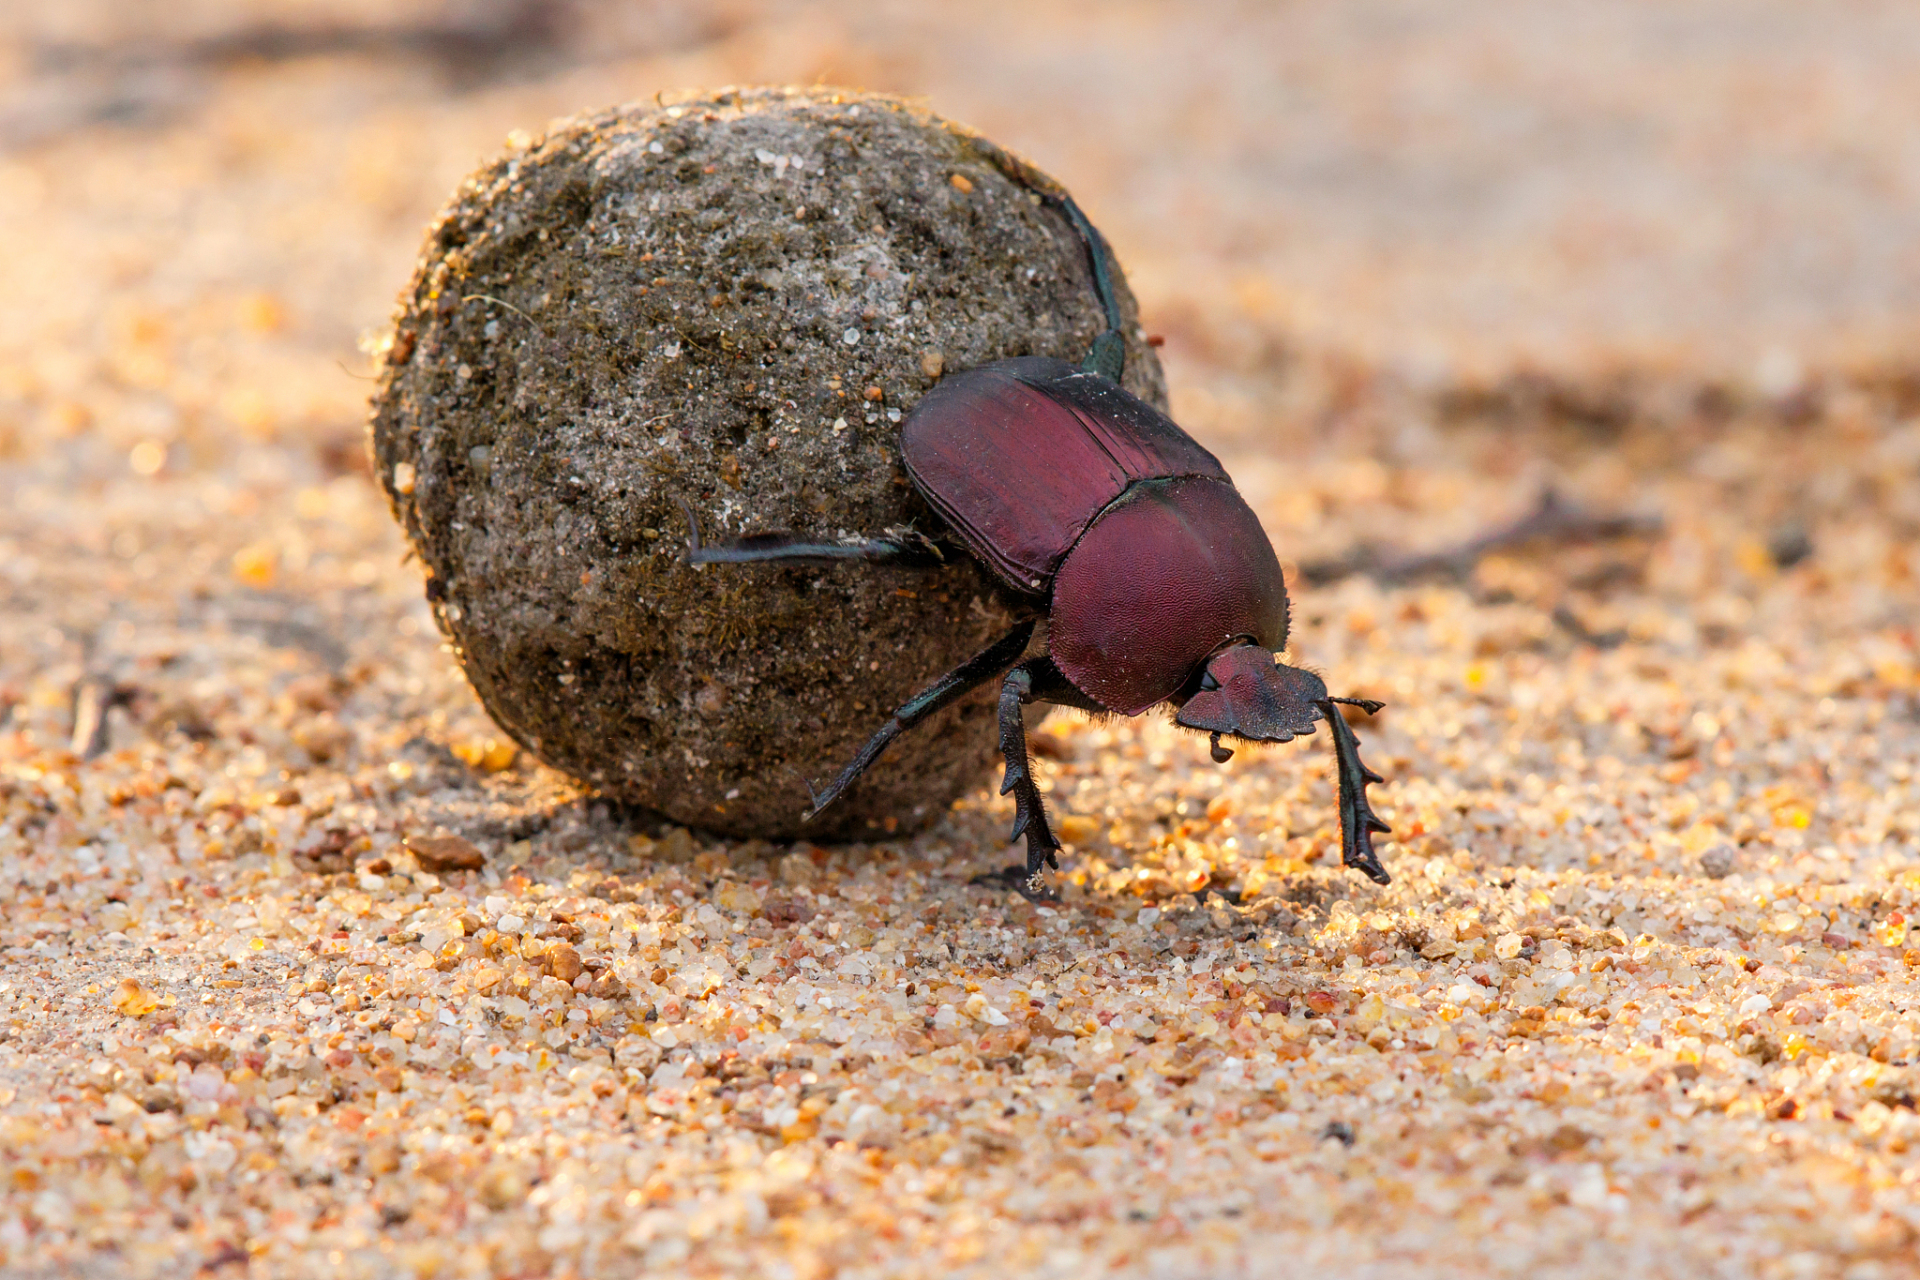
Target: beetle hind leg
x,y
1108,355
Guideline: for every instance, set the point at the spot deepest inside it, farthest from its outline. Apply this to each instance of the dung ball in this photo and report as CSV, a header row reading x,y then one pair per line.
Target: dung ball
x,y
727,303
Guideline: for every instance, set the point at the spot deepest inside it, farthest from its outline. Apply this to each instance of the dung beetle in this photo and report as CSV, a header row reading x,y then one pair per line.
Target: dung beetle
x,y
1100,515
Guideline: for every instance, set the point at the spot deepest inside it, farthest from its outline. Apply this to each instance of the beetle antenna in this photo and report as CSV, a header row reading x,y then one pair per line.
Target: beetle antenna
x,y
1367,705
1108,356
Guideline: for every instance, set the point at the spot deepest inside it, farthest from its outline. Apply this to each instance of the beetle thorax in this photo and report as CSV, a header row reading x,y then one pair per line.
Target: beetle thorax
x,y
1166,575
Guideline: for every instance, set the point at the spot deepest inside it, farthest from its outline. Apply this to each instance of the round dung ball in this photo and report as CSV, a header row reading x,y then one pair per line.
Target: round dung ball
x,y
727,303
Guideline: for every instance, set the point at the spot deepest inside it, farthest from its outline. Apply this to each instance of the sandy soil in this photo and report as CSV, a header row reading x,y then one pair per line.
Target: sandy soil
x,y
1638,997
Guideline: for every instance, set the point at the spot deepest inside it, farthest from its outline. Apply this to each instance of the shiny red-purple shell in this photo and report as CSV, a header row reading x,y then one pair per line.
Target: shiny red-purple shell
x,y
1073,490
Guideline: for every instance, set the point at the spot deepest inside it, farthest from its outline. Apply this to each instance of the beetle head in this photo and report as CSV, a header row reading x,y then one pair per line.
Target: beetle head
x,y
1247,694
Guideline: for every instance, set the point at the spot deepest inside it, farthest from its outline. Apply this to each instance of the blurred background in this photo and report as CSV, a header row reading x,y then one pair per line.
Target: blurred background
x,y
1414,263
208,203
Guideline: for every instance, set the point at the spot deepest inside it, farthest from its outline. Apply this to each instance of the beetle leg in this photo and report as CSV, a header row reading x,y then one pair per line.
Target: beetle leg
x,y
908,551
1108,355
776,548
1358,821
1051,686
949,688
1030,817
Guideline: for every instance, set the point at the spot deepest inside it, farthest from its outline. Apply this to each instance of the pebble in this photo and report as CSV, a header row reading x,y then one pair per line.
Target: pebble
x,y
445,853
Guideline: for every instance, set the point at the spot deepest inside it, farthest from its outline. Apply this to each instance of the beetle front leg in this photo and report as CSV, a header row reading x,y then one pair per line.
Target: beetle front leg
x,y
1358,821
1030,816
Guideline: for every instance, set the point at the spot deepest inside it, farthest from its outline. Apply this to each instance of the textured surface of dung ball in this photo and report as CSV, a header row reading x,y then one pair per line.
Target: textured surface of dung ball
x,y
730,303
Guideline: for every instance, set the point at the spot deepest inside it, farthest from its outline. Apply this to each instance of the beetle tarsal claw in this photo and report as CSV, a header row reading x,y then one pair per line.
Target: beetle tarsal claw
x,y
692,548
814,802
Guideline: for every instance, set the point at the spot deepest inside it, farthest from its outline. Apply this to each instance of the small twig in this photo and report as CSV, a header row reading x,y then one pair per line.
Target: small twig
x,y
1553,519
501,302
493,34
71,86
93,698
1568,621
